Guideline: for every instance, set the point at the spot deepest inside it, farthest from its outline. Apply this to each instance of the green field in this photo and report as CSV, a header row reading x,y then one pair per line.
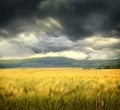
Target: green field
x,y
59,89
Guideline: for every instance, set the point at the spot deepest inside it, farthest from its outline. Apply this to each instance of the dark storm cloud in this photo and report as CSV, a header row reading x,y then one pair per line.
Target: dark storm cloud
x,y
77,28
80,18
11,9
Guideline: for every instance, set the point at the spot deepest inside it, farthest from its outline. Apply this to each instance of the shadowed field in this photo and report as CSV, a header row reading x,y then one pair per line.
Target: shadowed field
x,y
59,89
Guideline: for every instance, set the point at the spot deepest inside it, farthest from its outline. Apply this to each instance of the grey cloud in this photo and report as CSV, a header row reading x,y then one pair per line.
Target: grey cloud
x,y
83,18
58,25
80,18
42,43
49,25
104,54
28,44
9,49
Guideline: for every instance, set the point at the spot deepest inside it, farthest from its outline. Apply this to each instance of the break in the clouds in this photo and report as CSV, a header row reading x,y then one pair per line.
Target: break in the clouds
x,y
79,29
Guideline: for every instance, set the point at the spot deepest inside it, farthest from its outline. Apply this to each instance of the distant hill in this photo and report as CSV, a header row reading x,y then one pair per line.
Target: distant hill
x,y
59,62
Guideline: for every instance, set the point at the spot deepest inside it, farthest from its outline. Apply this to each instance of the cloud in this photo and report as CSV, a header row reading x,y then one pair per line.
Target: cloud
x,y
106,54
27,45
10,50
69,54
99,42
48,25
83,18
89,27
42,43
80,18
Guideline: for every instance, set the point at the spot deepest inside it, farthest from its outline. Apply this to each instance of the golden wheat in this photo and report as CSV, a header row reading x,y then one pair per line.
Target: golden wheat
x,y
59,89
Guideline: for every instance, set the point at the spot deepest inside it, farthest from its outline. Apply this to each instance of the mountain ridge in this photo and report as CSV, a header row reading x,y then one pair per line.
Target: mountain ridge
x,y
59,62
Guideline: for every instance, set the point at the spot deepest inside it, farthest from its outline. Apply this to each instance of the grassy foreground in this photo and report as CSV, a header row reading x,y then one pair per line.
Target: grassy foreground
x,y
59,89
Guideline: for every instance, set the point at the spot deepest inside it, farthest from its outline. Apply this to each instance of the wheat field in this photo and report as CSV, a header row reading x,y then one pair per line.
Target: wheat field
x,y
59,89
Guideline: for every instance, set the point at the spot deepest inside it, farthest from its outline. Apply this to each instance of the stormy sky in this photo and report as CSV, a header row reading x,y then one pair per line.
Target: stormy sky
x,y
78,29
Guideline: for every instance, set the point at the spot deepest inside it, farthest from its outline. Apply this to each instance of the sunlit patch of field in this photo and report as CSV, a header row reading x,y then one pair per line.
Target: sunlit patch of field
x,y
59,89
